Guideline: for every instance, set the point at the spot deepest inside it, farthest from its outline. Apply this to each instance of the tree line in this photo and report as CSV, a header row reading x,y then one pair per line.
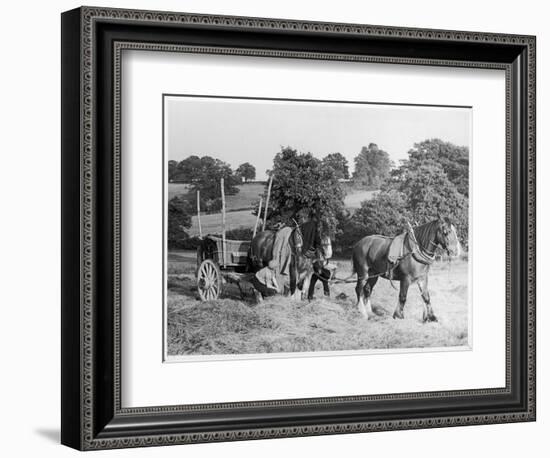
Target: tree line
x,y
432,180
201,174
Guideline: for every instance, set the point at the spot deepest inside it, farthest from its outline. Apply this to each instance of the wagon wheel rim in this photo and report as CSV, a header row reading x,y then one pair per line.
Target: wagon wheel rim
x,y
208,280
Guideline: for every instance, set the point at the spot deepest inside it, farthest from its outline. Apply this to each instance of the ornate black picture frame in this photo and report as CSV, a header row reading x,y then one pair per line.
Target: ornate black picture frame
x,y
92,41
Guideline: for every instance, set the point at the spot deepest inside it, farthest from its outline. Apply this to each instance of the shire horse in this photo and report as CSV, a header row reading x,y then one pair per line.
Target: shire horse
x,y
307,246
370,261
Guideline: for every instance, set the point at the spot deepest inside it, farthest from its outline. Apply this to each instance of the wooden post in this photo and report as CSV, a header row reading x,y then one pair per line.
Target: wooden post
x,y
267,201
223,222
199,212
257,218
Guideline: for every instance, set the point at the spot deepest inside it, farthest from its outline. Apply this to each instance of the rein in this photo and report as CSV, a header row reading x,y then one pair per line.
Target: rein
x,y
420,254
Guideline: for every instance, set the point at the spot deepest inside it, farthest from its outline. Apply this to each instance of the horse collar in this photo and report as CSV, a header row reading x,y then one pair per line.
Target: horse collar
x,y
420,254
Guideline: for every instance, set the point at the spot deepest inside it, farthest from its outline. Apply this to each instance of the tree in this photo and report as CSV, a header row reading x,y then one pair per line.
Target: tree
x,y
179,219
304,188
384,214
372,166
429,193
204,174
207,178
246,171
452,158
172,167
339,164
187,170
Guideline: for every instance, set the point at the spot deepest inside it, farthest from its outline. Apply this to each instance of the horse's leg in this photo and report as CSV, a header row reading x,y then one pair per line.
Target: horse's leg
x,y
403,289
297,294
428,314
293,277
368,291
305,286
360,290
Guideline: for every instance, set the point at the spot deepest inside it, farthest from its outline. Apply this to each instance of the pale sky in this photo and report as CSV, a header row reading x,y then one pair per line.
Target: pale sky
x,y
237,130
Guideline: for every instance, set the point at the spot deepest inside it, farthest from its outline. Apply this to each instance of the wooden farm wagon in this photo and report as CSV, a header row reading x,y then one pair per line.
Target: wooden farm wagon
x,y
221,261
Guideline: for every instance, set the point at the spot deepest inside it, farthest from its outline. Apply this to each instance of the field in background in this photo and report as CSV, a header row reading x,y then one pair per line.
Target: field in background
x,y
244,202
232,326
247,197
177,189
212,224
354,197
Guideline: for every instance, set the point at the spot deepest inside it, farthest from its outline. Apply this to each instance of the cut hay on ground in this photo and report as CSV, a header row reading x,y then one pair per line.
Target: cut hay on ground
x,y
230,326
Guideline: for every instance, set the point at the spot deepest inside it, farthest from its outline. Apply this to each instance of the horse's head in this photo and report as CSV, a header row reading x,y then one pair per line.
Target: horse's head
x,y
322,245
309,240
447,238
325,246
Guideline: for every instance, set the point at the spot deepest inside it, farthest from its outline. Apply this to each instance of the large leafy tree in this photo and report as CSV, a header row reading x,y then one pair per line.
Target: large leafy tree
x,y
452,158
338,163
172,167
372,166
186,170
386,214
303,188
246,171
179,219
204,174
432,181
208,177
429,193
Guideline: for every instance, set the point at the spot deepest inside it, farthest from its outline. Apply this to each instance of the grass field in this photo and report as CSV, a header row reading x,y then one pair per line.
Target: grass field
x,y
248,194
245,198
230,325
212,224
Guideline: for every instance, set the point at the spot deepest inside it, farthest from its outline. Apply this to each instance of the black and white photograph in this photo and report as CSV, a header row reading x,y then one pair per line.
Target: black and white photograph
x,y
308,227
280,223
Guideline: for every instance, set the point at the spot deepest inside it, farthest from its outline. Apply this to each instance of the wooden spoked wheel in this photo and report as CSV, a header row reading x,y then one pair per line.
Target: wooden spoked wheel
x,y
209,280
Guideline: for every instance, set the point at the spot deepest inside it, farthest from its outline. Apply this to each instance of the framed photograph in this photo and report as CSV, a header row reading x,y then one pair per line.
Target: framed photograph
x,y
276,228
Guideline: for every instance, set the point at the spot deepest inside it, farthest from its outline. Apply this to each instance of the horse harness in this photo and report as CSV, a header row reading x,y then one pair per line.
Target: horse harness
x,y
420,255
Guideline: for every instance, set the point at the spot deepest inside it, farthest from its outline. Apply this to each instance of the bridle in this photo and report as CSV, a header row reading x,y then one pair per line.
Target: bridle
x,y
424,255
315,254
298,232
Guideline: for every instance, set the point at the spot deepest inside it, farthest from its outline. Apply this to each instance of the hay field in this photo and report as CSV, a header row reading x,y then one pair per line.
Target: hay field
x,y
232,326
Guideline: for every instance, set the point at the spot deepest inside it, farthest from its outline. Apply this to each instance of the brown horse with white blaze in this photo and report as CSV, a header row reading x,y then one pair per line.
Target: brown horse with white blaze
x,y
370,261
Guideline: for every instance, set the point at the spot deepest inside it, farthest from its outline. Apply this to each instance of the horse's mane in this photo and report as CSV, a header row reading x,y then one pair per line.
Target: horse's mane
x,y
425,235
309,235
